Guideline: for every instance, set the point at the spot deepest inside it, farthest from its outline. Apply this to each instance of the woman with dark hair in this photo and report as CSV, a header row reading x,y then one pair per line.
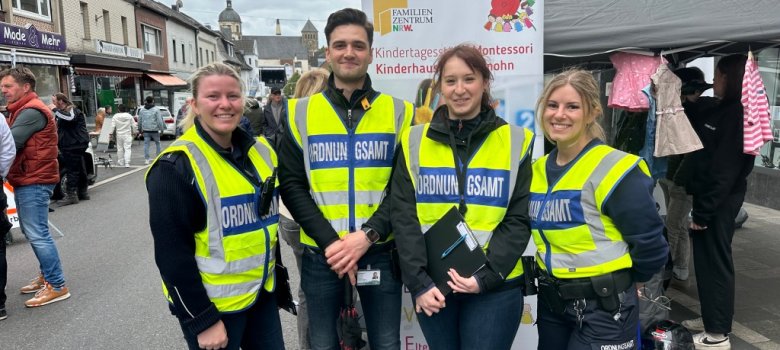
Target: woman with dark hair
x,y
465,140
718,185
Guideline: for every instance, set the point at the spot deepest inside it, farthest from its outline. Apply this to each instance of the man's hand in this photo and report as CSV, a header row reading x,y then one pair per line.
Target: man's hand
x,y
462,284
214,337
696,227
353,246
430,302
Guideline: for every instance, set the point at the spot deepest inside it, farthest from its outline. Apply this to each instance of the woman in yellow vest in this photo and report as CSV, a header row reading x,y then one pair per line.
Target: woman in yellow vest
x,y
489,185
594,222
214,216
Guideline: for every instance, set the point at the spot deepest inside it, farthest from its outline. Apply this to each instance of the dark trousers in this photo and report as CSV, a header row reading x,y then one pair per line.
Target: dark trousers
x,y
715,266
475,321
5,226
258,327
599,329
76,174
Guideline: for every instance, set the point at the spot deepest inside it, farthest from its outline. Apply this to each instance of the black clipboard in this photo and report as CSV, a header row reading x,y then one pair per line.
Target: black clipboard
x,y
463,253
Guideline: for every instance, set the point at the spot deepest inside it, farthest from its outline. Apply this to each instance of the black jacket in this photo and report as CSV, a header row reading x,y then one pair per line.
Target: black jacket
x,y
72,134
510,237
696,113
271,129
176,213
295,188
721,168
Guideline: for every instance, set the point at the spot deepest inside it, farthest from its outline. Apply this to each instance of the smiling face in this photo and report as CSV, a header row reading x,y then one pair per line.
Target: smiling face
x,y
219,105
462,89
565,120
349,55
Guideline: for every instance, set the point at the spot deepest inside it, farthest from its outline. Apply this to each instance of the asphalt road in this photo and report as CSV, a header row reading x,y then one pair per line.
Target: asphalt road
x,y
108,262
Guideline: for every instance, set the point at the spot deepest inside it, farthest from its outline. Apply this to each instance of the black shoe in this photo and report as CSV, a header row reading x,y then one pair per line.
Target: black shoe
x,y
3,314
83,196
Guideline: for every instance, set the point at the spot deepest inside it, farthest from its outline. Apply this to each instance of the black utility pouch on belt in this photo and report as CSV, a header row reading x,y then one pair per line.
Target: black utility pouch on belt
x,y
548,293
606,292
530,274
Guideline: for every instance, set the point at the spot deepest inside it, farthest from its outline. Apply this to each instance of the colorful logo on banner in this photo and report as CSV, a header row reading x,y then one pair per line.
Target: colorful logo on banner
x,y
510,16
396,16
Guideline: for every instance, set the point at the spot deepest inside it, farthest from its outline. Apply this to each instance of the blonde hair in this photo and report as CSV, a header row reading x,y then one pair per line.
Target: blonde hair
x,y
216,68
311,82
586,86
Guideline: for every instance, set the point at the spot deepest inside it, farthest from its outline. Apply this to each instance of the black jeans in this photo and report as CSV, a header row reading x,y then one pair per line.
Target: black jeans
x,y
76,174
715,266
5,226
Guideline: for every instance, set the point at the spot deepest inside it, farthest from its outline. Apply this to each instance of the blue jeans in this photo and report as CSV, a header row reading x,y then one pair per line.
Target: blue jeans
x,y
325,296
475,321
258,327
148,137
32,203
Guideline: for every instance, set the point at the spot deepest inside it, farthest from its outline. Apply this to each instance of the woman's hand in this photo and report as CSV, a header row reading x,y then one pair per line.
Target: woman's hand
x,y
696,227
214,337
462,284
430,302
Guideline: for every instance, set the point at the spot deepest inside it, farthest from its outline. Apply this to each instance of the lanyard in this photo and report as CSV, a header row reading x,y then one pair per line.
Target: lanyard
x,y
460,171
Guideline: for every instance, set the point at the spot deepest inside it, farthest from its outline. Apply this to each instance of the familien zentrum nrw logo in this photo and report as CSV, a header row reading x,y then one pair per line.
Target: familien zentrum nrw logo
x,y
396,16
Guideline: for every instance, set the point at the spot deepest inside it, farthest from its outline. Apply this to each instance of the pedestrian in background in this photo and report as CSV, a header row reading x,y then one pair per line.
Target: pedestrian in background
x,y
718,185
124,126
593,218
151,124
255,114
7,155
33,175
273,114
310,83
217,272
100,118
73,140
466,134
340,205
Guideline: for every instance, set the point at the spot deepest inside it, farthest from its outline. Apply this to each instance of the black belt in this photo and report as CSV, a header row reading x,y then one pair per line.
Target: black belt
x,y
591,287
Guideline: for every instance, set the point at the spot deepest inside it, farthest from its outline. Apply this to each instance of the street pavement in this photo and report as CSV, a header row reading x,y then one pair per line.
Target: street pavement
x,y
117,301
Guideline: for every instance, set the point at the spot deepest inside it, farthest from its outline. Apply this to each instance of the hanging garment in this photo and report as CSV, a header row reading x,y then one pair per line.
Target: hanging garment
x,y
633,73
757,120
656,165
674,133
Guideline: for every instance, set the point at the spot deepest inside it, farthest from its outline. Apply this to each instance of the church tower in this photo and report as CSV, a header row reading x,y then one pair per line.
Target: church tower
x,y
310,37
230,20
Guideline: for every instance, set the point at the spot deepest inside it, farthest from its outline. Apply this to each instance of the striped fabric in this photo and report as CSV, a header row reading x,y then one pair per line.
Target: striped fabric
x,y
757,120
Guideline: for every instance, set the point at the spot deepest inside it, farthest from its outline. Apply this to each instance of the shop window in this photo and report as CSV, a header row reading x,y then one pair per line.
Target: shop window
x,y
152,42
36,8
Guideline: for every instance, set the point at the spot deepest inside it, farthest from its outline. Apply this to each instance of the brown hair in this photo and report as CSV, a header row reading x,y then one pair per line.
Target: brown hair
x,y
311,82
215,68
349,16
62,97
474,59
22,75
588,89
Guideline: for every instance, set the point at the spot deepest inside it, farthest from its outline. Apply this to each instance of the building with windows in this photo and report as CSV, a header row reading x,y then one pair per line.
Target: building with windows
x,y
106,62
31,36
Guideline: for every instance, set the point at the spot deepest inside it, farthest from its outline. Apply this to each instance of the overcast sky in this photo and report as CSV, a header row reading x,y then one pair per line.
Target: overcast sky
x,y
258,17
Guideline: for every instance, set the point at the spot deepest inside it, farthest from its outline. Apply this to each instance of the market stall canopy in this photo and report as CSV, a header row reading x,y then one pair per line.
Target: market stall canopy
x,y
586,31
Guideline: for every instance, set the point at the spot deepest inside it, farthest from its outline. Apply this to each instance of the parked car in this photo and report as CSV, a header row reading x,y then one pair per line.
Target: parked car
x,y
168,118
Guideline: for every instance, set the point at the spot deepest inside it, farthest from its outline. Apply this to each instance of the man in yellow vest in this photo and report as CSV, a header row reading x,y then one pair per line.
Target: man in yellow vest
x,y
336,158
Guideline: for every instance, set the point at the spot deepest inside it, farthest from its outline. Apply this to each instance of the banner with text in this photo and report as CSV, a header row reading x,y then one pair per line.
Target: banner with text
x,y
409,35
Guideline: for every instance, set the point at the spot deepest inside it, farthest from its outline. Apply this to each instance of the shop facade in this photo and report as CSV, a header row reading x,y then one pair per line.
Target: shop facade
x,y
42,52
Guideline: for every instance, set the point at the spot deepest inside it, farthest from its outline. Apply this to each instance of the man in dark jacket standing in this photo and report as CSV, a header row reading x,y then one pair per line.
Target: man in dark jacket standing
x,y
256,116
150,122
73,139
273,114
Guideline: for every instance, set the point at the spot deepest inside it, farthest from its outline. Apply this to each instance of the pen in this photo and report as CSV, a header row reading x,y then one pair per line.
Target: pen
x,y
452,247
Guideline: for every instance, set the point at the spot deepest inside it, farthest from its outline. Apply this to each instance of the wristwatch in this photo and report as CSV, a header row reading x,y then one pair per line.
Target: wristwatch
x,y
371,235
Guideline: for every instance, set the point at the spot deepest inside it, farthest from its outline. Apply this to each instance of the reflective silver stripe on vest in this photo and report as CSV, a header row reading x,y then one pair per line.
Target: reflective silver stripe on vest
x,y
342,197
301,106
215,263
606,249
399,108
232,290
265,154
483,237
518,140
415,141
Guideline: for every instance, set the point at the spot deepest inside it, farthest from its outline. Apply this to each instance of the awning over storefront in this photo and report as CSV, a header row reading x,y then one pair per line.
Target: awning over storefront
x,y
167,79
50,59
107,72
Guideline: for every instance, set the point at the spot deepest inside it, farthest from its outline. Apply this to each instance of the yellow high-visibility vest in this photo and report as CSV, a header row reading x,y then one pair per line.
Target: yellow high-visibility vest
x,y
348,169
574,238
235,251
490,179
